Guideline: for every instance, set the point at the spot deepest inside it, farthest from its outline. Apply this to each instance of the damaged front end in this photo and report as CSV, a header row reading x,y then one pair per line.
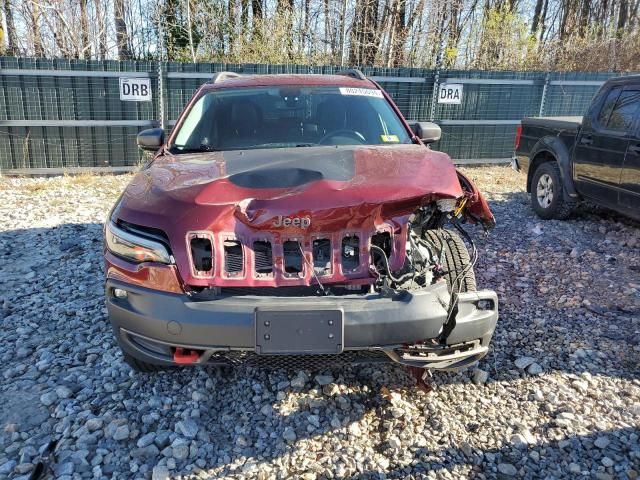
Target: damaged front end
x,y
373,239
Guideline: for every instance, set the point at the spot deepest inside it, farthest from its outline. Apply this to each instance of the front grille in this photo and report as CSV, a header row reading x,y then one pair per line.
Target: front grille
x,y
233,258
263,257
298,362
350,253
293,258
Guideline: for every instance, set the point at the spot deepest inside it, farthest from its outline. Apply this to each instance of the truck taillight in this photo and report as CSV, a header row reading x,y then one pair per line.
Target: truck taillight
x,y
518,135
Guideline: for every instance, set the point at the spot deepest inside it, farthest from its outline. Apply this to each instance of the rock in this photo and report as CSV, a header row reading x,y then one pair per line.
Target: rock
x,y
266,410
121,433
522,363
49,398
299,381
7,467
519,441
607,462
602,442
289,435
331,390
146,440
480,376
162,439
187,428
94,424
507,469
65,468
323,379
180,451
534,369
148,451
63,391
574,468
160,472
395,443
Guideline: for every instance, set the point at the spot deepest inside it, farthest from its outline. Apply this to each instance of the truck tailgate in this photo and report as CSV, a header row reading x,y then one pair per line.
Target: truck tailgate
x,y
555,123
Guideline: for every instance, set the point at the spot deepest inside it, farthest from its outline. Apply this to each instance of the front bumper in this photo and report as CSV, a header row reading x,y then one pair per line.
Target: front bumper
x,y
150,324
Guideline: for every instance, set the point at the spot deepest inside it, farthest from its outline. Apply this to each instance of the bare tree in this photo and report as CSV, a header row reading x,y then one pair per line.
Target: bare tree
x,y
122,38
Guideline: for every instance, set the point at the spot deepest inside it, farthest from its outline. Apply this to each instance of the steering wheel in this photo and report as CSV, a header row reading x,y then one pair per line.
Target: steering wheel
x,y
344,133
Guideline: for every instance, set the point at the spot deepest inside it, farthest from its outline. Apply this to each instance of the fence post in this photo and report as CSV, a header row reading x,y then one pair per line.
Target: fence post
x,y
434,96
161,109
543,100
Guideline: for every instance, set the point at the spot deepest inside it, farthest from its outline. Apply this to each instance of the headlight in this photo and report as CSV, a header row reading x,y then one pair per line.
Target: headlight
x,y
133,247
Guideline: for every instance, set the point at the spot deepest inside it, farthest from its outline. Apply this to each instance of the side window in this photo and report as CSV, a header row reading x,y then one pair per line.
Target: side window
x,y
625,112
607,106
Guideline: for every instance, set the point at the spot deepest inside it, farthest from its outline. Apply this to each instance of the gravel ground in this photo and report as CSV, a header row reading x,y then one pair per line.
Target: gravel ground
x,y
558,395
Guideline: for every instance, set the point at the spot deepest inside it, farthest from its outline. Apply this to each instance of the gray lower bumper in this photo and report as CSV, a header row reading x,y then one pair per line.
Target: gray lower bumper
x,y
146,320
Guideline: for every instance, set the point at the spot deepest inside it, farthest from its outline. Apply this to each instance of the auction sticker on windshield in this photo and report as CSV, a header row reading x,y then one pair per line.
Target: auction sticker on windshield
x,y
363,92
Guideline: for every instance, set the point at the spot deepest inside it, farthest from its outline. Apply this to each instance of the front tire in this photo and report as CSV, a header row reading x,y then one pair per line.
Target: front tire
x,y
547,195
456,261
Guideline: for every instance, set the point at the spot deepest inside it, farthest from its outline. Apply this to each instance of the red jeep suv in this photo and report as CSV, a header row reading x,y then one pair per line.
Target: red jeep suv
x,y
295,218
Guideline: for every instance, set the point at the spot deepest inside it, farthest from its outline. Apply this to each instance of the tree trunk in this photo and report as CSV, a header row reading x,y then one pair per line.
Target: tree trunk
x,y
623,16
256,8
244,16
34,13
101,17
84,28
536,17
122,38
12,40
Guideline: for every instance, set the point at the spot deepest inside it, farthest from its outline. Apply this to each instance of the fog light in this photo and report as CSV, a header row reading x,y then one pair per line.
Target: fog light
x,y
484,305
119,293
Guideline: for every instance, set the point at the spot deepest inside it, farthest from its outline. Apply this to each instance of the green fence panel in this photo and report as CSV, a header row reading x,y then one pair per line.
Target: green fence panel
x,y
57,120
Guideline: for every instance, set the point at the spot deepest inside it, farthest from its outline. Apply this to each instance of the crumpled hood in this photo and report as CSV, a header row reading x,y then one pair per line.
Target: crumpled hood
x,y
288,193
261,184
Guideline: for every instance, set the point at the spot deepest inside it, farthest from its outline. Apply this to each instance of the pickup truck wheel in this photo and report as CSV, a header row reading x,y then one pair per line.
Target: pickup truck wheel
x,y
547,196
455,258
141,367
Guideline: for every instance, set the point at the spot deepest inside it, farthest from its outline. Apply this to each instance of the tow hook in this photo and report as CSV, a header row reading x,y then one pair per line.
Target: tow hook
x,y
186,356
422,376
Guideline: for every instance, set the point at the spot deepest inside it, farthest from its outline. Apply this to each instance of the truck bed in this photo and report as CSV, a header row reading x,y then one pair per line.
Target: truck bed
x,y
554,123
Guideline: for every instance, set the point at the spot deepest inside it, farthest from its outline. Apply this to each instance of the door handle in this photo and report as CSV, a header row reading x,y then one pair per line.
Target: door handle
x,y
635,149
586,140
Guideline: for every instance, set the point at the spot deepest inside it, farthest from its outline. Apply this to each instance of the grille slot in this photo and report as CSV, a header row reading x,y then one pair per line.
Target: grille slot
x,y
350,253
263,257
322,256
233,257
202,254
292,258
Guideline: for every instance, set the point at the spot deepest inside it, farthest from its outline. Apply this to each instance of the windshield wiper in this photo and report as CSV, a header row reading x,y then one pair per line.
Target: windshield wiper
x,y
175,149
277,145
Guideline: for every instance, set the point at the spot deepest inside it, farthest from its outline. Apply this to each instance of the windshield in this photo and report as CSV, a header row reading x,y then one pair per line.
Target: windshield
x,y
243,118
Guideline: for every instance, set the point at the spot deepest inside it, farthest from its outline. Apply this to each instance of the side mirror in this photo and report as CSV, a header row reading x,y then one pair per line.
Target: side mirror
x,y
428,132
151,139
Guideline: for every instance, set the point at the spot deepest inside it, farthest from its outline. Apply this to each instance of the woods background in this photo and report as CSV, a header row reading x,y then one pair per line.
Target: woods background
x,y
579,35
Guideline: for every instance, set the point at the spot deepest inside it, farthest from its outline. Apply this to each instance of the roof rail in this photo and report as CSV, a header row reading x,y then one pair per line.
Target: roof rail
x,y
222,76
353,73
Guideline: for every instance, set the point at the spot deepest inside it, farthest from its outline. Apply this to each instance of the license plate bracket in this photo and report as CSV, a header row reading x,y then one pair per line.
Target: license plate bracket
x,y
296,332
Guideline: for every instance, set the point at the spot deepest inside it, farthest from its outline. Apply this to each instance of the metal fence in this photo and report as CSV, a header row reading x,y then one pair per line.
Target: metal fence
x,y
68,113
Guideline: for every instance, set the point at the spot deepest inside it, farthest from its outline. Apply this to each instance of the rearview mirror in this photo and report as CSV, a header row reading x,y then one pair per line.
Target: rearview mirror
x,y
428,132
150,139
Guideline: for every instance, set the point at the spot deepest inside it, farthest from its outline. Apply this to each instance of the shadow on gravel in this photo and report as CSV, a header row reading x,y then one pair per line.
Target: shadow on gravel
x,y
573,457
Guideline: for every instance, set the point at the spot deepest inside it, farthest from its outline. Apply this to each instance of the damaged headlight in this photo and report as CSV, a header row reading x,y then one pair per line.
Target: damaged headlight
x,y
133,247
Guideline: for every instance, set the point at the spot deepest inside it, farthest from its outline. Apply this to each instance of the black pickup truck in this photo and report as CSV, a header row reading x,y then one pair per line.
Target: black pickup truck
x,y
595,157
